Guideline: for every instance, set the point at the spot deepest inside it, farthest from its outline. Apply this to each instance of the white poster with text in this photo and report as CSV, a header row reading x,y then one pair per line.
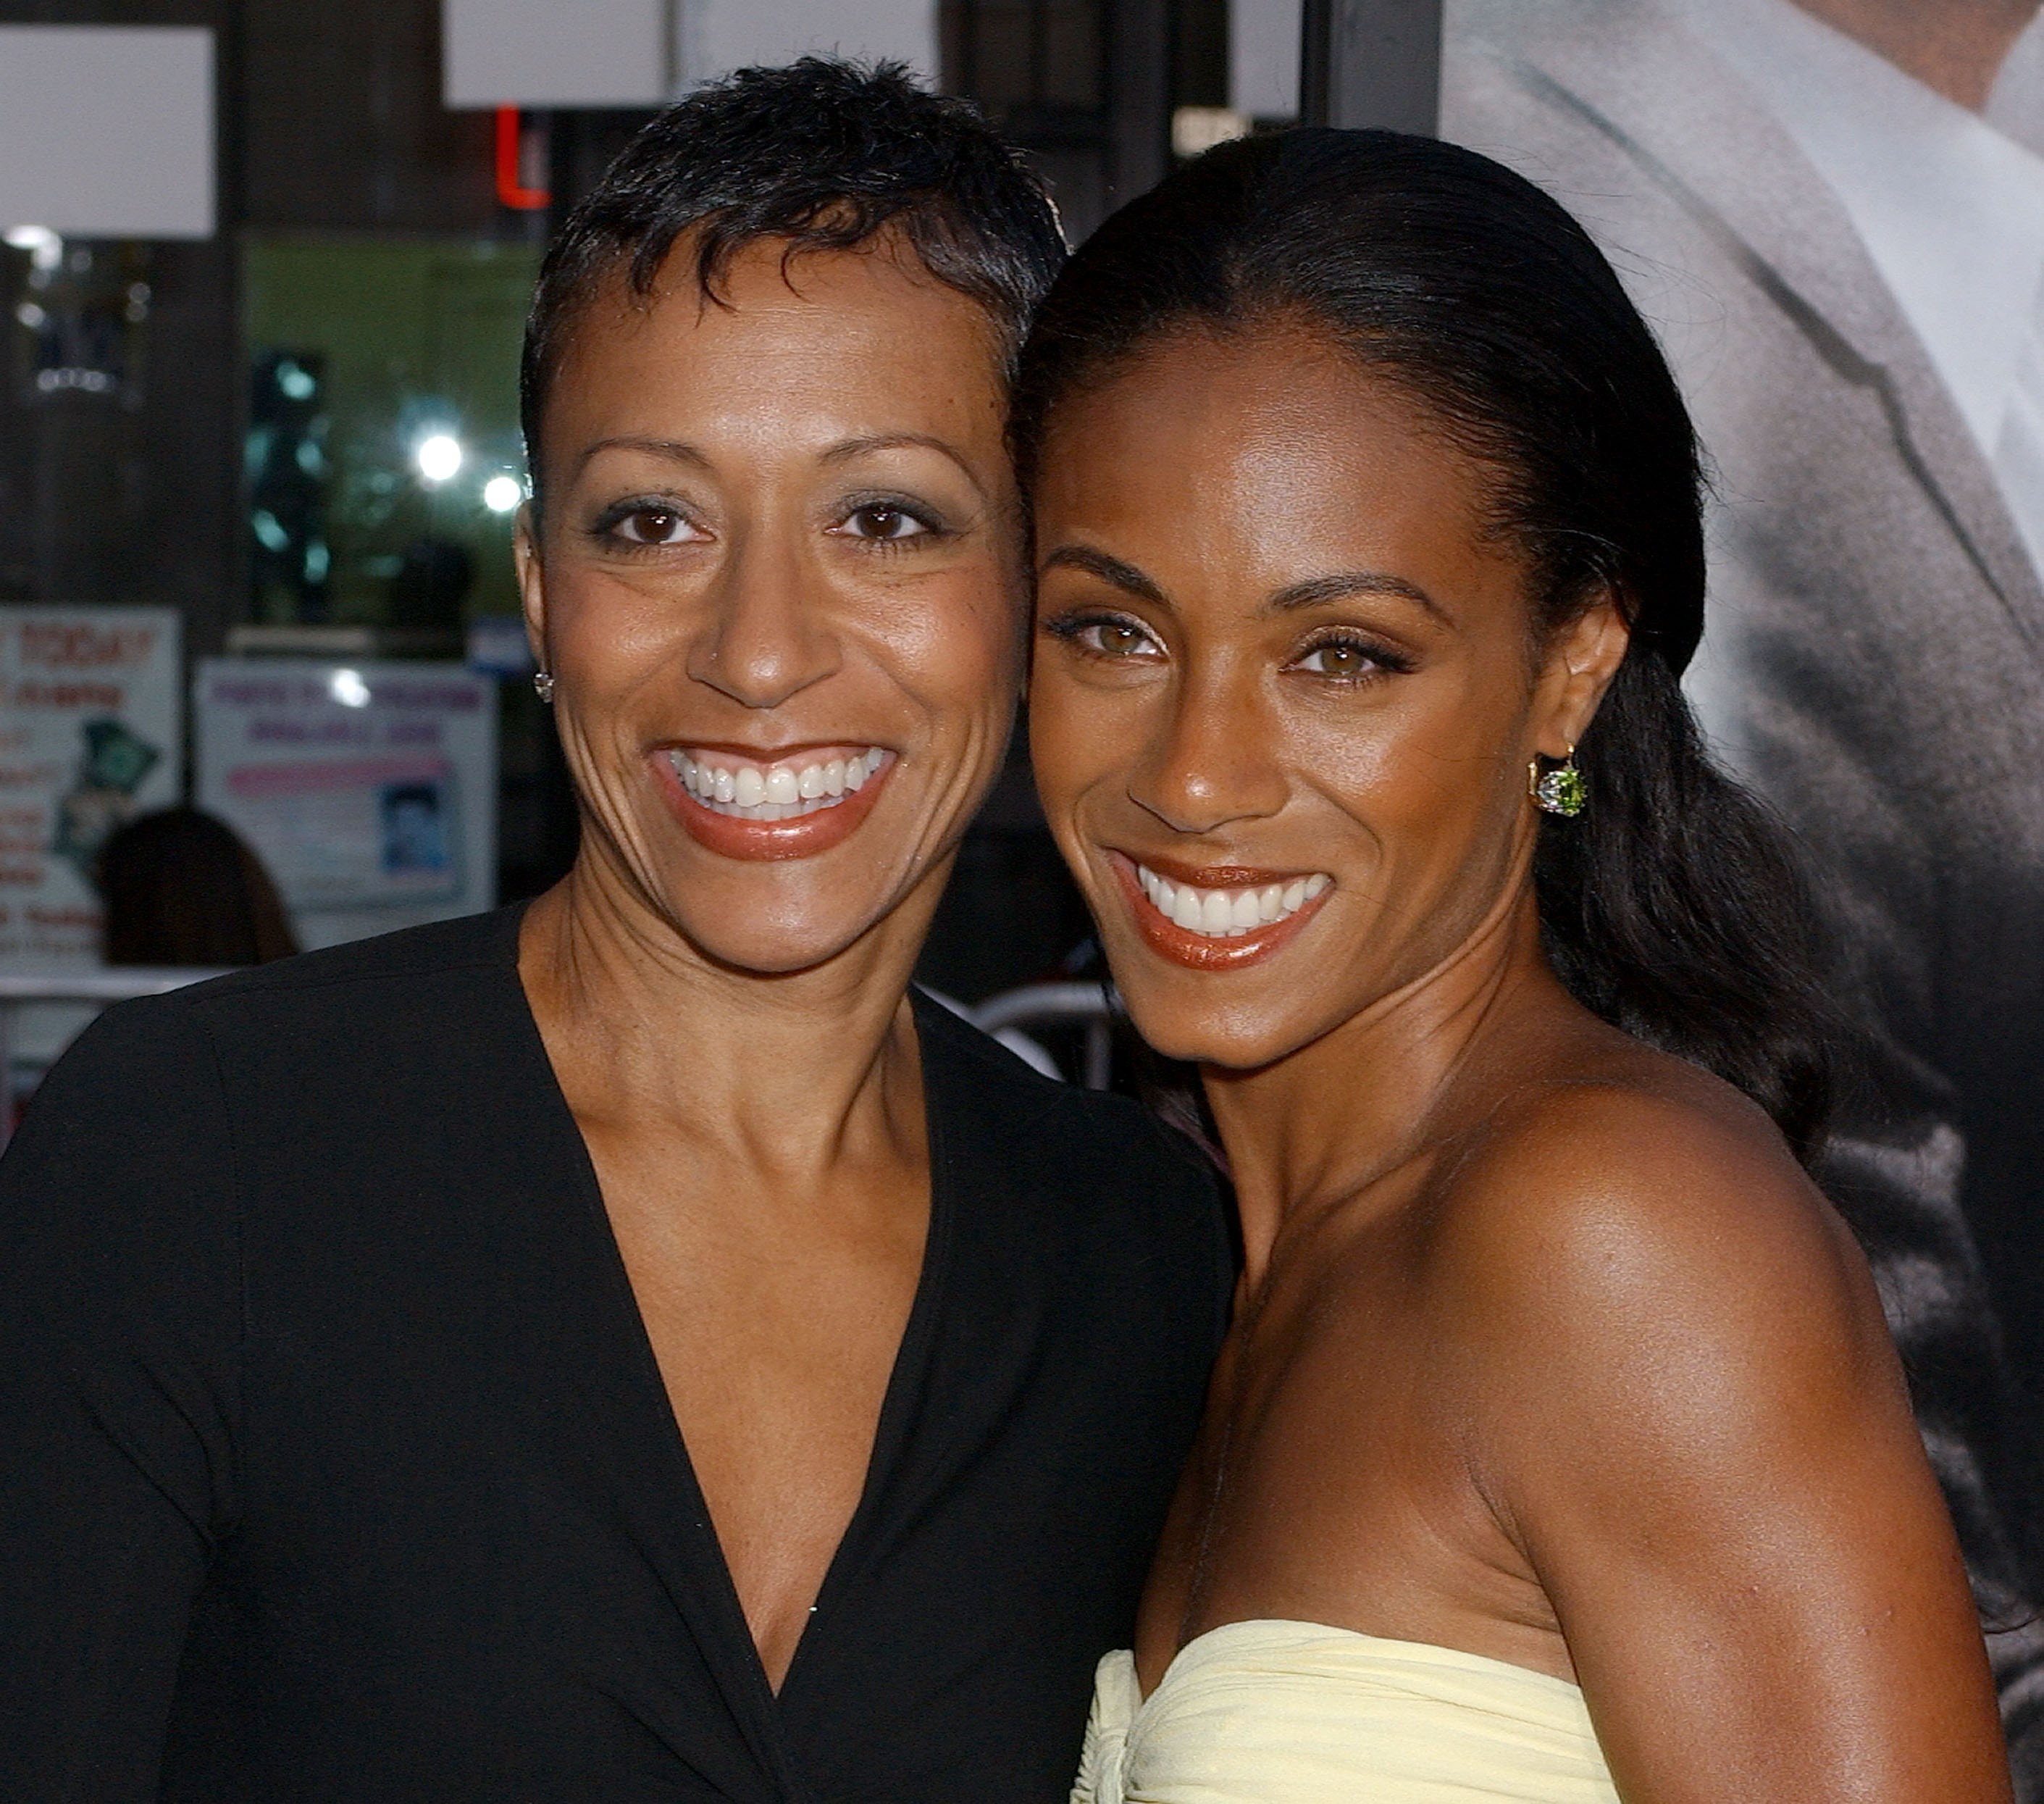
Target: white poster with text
x,y
368,789
90,736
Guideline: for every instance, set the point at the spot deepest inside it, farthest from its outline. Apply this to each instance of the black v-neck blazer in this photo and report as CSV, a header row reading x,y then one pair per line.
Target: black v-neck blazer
x,y
335,1464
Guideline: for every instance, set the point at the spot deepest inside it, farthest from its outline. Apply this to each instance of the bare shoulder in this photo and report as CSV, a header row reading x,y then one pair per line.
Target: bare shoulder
x,y
1636,1217
1664,1374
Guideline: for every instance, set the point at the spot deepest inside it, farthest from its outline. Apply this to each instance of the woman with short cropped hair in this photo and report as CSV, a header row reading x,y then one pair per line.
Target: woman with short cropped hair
x,y
631,1347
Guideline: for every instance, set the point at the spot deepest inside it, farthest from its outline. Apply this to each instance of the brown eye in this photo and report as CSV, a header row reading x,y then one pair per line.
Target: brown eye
x,y
1104,636
655,526
1342,659
881,522
1118,638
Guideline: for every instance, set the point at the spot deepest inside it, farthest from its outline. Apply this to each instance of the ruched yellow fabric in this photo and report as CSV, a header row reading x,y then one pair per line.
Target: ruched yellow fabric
x,y
1296,1712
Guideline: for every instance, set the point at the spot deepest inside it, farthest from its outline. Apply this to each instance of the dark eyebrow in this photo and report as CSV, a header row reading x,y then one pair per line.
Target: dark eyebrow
x,y
853,448
1125,577
1322,589
674,450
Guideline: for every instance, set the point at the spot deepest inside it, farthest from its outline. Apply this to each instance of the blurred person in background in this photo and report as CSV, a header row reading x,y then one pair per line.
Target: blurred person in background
x,y
431,585
631,1347
180,888
1831,217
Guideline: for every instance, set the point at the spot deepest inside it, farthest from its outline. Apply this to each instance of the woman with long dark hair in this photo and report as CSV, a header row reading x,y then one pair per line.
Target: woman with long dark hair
x,y
1559,1450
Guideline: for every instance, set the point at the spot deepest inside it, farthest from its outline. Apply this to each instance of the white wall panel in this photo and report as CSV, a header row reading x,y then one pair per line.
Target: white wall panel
x,y
719,36
106,131
554,52
638,52
1263,58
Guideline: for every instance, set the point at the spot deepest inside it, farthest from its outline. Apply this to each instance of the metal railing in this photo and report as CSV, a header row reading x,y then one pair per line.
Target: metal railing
x,y
1055,1004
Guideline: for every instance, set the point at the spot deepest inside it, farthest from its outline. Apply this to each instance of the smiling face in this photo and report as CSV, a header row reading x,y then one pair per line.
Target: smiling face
x,y
777,583
1285,689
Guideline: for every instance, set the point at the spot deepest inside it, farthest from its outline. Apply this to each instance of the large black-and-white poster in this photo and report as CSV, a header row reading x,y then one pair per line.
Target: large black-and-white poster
x,y
1832,212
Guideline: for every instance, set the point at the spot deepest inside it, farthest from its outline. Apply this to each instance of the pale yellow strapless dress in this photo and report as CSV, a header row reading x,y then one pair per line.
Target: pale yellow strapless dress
x,y
1295,1712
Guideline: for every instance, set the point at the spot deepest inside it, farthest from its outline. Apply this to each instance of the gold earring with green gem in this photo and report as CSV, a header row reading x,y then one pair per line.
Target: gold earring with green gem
x,y
1561,790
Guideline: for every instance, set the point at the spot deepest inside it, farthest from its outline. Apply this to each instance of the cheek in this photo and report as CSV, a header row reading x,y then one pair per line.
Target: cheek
x,y
1358,759
955,644
609,633
1419,780
1073,741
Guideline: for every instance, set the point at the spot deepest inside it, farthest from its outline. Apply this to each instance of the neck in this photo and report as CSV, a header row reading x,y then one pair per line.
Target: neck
x,y
1322,1124
789,1072
1957,46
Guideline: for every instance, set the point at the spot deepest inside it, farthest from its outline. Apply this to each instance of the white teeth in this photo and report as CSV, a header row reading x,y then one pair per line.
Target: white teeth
x,y
1228,914
777,792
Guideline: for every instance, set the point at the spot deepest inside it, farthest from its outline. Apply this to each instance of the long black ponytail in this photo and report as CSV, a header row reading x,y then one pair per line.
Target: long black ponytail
x,y
1673,907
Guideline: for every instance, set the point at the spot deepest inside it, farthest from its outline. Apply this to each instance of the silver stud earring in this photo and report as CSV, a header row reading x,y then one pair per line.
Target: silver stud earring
x,y
542,684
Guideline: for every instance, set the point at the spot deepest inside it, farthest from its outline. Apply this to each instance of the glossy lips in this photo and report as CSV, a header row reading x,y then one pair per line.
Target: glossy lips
x,y
803,803
1217,920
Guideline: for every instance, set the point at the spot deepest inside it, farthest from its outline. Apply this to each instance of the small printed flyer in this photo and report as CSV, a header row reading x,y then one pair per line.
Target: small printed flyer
x,y
368,790
90,736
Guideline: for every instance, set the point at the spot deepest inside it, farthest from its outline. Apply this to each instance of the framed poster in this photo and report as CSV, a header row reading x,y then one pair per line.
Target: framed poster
x,y
91,734
368,790
1832,217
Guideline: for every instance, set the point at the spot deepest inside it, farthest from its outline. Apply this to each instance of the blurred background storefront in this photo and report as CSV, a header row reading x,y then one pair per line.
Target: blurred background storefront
x,y
264,266
265,273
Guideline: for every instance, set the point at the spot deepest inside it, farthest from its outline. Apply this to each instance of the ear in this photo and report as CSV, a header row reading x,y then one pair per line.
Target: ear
x,y
532,583
1582,660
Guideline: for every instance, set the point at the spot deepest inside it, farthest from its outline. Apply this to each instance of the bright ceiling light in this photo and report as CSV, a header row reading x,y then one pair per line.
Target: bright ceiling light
x,y
501,494
347,687
438,457
44,248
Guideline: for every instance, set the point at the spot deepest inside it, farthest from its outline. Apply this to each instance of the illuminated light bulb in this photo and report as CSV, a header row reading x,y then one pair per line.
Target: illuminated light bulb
x,y
501,494
44,248
438,457
347,687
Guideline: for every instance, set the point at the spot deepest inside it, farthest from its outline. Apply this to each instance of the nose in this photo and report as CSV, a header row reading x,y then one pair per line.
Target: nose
x,y
768,636
1212,760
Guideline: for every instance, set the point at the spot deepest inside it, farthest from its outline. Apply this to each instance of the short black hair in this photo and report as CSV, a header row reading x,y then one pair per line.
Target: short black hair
x,y
825,154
